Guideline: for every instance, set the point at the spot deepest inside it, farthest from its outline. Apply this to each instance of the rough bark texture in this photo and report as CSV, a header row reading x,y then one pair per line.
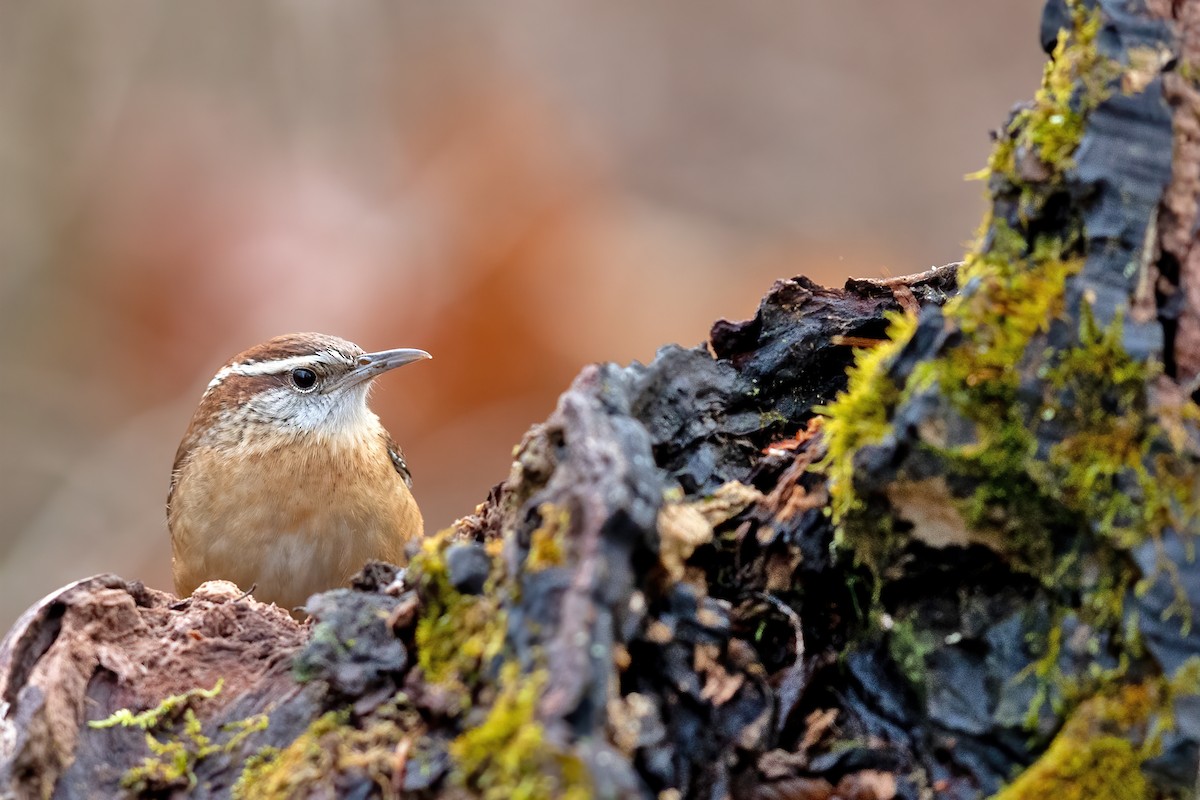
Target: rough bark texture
x,y
966,570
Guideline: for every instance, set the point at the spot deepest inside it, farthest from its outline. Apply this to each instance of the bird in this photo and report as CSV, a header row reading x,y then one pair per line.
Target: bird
x,y
286,483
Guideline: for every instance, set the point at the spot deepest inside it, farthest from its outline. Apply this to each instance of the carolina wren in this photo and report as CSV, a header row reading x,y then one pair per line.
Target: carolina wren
x,y
285,480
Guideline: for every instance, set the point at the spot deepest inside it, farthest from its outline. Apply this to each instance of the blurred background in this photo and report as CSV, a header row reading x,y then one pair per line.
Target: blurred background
x,y
520,188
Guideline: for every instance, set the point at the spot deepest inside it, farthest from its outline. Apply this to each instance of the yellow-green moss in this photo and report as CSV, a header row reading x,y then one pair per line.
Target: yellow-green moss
x,y
1015,295
1112,470
861,415
1045,669
1014,285
1100,768
1012,293
456,634
255,773
546,546
909,647
507,756
173,758
1099,752
1055,123
1113,478
772,417
329,747
1114,437
459,639
152,717
1040,140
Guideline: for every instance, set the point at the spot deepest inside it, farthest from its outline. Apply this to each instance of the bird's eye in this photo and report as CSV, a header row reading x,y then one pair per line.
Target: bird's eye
x,y
304,379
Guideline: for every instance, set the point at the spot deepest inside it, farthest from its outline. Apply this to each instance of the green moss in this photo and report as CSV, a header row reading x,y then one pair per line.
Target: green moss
x,y
331,746
1099,752
508,755
1100,768
546,543
335,746
1049,683
1024,501
153,717
1017,294
1041,138
773,417
1063,484
1112,469
909,646
1114,442
457,634
861,415
460,638
1076,80
174,757
256,772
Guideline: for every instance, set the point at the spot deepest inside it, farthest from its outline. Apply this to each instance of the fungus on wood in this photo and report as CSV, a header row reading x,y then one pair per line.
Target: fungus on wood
x,y
922,536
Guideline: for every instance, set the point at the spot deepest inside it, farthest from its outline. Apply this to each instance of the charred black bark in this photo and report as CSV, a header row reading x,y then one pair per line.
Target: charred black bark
x,y
733,572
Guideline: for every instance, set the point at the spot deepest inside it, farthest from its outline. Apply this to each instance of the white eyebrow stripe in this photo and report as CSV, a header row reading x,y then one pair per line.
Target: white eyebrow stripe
x,y
275,366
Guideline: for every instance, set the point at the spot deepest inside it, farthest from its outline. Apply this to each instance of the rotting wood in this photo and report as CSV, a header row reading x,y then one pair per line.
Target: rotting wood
x,y
1003,599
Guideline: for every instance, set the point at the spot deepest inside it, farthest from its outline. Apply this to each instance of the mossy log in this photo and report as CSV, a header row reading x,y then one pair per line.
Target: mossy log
x,y
925,536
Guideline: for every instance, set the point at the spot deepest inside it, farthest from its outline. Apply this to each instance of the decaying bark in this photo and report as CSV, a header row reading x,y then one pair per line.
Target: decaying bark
x,y
734,573
622,601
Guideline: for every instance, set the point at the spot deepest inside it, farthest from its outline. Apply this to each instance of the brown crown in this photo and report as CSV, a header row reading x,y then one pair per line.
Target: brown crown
x,y
294,344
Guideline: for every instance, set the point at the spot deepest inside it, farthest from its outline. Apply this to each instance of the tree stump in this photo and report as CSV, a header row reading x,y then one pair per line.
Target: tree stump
x,y
924,536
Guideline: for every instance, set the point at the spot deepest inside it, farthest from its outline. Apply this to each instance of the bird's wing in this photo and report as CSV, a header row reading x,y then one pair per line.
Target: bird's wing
x,y
397,456
181,458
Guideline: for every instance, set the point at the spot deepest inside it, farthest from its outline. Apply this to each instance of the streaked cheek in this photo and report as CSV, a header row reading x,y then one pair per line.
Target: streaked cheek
x,y
317,413
278,407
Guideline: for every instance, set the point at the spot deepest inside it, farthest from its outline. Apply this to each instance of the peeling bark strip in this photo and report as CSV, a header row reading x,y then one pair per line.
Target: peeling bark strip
x,y
1177,278
966,568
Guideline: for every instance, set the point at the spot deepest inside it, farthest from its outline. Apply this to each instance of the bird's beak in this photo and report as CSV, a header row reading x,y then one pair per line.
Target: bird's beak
x,y
371,365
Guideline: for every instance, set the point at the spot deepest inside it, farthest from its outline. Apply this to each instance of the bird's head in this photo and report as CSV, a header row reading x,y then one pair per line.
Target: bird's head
x,y
293,385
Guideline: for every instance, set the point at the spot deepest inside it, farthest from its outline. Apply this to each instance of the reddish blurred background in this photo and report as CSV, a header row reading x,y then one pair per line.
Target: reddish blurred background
x,y
520,188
